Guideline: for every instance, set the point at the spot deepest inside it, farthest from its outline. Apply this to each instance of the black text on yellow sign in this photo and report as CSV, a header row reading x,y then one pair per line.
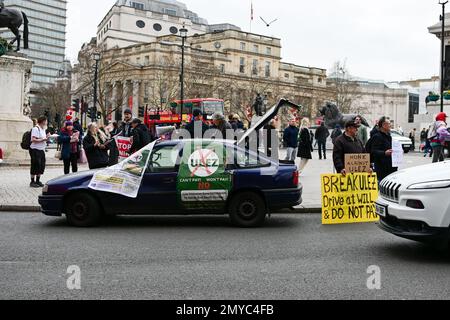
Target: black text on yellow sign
x,y
349,199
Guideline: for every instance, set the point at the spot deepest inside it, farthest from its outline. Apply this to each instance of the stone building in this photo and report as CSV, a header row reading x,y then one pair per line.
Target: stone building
x,y
230,64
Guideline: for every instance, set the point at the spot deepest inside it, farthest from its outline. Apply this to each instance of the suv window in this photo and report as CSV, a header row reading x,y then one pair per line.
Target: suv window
x,y
164,159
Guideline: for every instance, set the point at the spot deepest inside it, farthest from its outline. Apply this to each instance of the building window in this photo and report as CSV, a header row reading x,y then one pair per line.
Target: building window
x,y
137,5
286,75
138,60
269,51
157,27
140,24
255,67
267,73
222,68
170,12
147,60
243,46
255,48
414,103
319,80
173,30
242,65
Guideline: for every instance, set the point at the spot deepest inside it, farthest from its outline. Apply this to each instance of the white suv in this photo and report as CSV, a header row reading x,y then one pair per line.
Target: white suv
x,y
415,203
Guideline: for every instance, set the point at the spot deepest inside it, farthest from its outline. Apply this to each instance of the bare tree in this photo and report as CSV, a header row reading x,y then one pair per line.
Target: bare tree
x,y
54,101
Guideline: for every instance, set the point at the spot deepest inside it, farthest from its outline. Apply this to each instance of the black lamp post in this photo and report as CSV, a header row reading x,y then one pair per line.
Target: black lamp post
x,y
442,3
183,34
93,115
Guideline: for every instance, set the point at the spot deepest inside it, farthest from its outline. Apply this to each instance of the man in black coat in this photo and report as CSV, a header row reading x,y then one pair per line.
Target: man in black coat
x,y
127,128
381,149
347,143
141,136
321,136
197,121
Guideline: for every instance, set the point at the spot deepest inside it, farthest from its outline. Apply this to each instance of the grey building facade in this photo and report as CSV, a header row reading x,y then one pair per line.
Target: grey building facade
x,y
47,38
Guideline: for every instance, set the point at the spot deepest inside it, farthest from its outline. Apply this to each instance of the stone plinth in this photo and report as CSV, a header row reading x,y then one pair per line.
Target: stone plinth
x,y
15,77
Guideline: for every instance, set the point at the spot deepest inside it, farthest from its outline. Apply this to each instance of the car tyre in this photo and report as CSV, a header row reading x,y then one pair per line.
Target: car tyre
x,y
83,211
406,150
247,210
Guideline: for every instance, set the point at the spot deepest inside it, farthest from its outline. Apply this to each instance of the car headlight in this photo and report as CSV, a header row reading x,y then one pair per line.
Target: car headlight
x,y
45,189
431,185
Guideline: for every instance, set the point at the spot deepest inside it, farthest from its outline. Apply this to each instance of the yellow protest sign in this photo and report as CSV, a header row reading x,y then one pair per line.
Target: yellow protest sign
x,y
349,199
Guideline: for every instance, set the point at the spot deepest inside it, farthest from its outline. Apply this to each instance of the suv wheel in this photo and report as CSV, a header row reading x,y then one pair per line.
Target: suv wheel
x,y
247,210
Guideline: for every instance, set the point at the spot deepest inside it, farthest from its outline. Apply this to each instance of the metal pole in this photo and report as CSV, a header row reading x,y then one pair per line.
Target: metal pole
x,y
182,77
443,55
94,109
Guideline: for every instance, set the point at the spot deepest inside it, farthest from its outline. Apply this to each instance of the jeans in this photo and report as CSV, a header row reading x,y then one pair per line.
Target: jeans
x,y
322,149
73,160
291,154
438,154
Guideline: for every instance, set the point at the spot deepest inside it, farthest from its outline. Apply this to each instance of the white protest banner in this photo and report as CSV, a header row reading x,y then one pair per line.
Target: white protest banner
x,y
397,154
124,178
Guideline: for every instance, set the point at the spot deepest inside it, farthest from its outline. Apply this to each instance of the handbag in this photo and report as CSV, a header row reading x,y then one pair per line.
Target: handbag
x,y
82,159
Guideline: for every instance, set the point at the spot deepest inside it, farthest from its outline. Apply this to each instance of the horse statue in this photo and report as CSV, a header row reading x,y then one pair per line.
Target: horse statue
x,y
13,20
334,117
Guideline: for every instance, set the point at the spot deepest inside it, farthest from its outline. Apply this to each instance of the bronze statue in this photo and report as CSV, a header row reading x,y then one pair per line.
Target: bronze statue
x,y
258,105
333,116
13,20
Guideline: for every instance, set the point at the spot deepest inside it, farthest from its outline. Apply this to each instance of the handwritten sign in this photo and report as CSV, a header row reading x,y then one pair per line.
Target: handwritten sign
x,y
124,146
349,199
357,163
397,154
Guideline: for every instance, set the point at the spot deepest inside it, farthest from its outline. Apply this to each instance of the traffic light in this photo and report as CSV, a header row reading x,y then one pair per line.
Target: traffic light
x,y
141,112
76,105
99,115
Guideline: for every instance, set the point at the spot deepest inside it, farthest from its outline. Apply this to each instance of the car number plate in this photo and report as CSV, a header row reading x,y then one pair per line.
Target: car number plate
x,y
381,210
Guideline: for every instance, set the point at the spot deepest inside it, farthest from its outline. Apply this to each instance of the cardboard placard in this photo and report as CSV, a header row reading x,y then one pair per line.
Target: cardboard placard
x,y
357,163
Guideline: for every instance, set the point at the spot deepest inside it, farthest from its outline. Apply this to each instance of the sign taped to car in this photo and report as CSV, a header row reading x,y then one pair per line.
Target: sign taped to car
x,y
202,179
124,178
349,199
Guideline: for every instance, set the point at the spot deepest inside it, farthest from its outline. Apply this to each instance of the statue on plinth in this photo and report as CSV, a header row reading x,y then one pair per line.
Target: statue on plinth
x,y
333,116
258,105
13,20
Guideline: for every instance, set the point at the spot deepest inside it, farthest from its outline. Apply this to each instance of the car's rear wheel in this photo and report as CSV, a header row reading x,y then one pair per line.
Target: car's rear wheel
x,y
247,210
406,150
83,210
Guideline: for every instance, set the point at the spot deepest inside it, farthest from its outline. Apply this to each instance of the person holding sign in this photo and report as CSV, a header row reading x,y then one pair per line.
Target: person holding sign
x,y
347,144
382,149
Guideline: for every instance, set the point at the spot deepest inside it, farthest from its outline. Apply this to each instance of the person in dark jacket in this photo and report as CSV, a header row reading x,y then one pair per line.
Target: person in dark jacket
x,y
381,149
69,139
290,138
197,121
305,147
95,147
269,131
337,132
114,153
321,136
126,128
141,136
347,143
220,124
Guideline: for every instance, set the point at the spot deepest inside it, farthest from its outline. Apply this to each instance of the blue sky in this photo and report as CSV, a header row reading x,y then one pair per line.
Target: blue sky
x,y
383,39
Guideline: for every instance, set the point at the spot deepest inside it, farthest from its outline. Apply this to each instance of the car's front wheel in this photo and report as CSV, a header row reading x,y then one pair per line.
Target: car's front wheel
x,y
83,210
247,210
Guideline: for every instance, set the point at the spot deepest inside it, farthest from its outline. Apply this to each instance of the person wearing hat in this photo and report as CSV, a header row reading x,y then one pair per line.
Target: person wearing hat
x,y
347,143
141,136
126,128
197,121
69,138
438,136
381,149
220,124
239,123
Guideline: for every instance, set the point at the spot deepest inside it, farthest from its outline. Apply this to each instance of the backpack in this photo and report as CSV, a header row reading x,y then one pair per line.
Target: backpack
x,y
26,141
432,133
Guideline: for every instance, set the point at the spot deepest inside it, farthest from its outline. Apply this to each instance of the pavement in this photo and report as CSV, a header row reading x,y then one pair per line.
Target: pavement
x,y
204,258
16,195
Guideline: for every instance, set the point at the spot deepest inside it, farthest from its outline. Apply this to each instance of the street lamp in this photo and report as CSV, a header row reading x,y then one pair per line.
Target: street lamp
x,y
93,115
183,34
442,3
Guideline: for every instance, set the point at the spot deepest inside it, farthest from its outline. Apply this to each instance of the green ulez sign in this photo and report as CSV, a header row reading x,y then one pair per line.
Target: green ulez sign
x,y
203,182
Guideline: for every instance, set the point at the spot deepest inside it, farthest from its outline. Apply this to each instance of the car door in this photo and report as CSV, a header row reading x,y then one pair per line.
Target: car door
x,y
158,192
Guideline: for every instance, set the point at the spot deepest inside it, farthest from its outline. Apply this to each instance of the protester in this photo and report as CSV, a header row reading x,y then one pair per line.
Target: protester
x,y
239,123
126,128
69,138
232,121
423,138
197,119
322,134
37,152
381,149
305,147
219,123
337,132
114,154
428,149
290,138
347,143
363,134
412,137
438,136
141,136
95,147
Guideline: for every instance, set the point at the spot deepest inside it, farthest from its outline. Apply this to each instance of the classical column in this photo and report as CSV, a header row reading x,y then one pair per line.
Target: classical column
x,y
136,89
114,99
125,95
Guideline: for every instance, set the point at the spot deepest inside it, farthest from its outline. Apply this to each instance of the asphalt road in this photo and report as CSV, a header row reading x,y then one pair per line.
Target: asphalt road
x,y
293,257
